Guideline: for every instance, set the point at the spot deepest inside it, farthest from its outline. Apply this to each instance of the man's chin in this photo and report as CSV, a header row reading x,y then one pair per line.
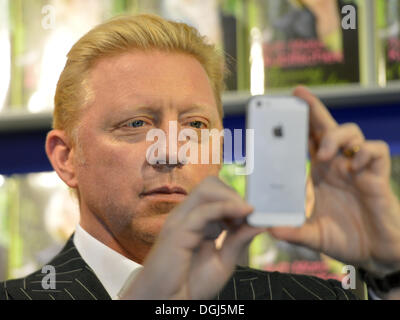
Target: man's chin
x,y
148,228
150,219
155,208
157,221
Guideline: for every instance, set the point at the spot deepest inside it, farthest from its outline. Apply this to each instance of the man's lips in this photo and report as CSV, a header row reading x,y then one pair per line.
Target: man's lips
x,y
165,190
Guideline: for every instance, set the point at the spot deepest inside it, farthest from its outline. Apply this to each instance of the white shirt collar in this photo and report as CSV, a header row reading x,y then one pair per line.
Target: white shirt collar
x,y
110,267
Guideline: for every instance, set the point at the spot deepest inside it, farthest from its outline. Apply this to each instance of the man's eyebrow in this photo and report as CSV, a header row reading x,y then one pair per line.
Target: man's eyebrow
x,y
197,107
154,109
142,108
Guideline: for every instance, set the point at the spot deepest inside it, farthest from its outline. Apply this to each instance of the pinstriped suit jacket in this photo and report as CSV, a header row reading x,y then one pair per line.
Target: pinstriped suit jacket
x,y
75,280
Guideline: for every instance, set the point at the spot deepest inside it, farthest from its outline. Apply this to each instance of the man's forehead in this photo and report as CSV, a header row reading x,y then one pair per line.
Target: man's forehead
x,y
136,59
118,86
149,72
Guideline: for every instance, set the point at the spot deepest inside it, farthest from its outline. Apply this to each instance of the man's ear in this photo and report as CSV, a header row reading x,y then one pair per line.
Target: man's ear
x,y
61,154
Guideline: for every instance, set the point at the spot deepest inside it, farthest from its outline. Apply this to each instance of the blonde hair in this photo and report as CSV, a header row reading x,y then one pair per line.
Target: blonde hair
x,y
121,34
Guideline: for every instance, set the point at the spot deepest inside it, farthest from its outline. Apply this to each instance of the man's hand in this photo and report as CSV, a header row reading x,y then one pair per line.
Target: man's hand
x,y
356,216
184,262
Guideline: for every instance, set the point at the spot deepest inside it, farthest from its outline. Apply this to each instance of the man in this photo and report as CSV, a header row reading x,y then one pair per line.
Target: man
x,y
147,230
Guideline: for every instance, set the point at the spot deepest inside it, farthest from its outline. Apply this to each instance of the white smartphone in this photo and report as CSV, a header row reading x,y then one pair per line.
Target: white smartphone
x,y
276,187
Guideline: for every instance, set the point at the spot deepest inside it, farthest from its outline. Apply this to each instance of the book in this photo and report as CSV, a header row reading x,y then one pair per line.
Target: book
x,y
306,42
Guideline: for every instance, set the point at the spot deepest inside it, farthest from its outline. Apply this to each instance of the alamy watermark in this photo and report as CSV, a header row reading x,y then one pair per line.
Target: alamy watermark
x,y
204,146
49,17
349,20
49,280
349,280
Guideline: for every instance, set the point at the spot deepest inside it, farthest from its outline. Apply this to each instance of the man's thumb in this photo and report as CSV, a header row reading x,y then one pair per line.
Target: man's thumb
x,y
306,235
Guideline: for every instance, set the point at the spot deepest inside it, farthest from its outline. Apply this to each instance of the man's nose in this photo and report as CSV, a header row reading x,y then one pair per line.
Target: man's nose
x,y
171,150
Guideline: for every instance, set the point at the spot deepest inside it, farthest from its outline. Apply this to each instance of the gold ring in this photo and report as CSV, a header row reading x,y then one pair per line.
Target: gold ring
x,y
351,152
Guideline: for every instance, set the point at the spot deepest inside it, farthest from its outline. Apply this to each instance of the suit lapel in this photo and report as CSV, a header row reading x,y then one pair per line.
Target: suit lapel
x,y
74,280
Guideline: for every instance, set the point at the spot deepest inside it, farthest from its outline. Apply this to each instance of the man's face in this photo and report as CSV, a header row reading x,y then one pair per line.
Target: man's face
x,y
133,93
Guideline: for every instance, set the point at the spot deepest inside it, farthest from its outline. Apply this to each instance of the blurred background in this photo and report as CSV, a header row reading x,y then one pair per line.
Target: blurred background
x,y
349,56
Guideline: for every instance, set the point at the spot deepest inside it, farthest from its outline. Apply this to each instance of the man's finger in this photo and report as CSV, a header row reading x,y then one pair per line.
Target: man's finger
x,y
320,118
202,223
375,154
343,136
236,242
307,235
198,220
212,189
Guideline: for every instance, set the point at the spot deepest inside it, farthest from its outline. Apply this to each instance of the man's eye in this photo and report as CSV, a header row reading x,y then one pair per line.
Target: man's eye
x,y
135,124
196,124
